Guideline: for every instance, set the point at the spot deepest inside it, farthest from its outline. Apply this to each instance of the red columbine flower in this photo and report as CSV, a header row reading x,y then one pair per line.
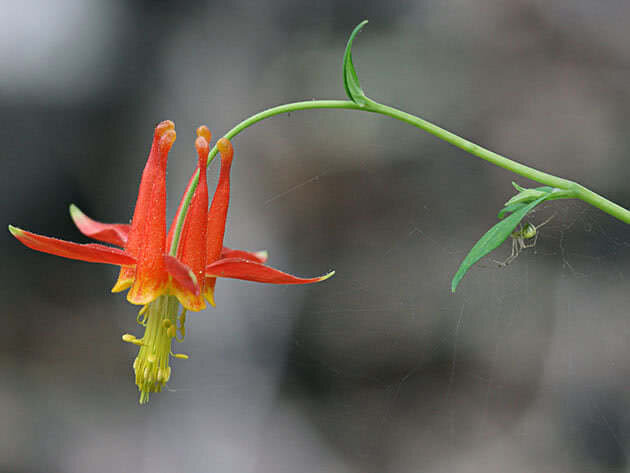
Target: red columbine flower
x,y
158,273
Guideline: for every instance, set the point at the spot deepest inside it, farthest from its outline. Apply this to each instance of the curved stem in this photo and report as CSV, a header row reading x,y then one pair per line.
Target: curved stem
x,y
474,149
280,109
574,190
602,203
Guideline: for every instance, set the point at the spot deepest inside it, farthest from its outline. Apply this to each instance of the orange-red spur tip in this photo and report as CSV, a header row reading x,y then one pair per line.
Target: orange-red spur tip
x,y
225,148
203,148
163,127
204,132
165,135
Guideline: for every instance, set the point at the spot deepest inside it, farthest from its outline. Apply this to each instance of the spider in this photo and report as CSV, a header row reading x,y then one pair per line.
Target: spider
x,y
519,238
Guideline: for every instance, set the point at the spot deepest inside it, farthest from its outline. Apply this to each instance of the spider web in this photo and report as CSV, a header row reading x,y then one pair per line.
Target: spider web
x,y
526,358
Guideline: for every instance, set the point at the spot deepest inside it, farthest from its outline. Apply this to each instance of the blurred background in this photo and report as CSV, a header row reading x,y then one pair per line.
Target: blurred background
x,y
379,369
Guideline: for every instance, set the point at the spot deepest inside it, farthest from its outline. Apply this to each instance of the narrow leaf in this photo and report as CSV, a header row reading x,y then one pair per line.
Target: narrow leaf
x,y
526,196
542,188
510,208
493,238
350,79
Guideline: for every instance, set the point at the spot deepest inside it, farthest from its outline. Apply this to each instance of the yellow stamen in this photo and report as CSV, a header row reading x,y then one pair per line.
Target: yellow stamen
x,y
172,331
142,317
182,326
151,366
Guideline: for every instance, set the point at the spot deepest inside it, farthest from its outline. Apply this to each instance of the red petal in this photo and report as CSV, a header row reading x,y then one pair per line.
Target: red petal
x,y
192,243
92,252
147,237
219,207
238,268
182,274
171,231
258,256
114,233
203,132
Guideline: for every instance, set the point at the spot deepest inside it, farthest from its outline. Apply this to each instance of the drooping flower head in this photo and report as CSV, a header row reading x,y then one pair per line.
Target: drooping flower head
x,y
161,269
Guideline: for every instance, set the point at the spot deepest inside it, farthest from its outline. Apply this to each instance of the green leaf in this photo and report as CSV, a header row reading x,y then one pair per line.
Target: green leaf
x,y
525,196
544,189
493,238
350,79
528,195
510,208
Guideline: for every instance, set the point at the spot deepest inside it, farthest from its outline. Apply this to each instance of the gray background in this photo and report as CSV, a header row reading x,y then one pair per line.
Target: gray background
x,y
379,369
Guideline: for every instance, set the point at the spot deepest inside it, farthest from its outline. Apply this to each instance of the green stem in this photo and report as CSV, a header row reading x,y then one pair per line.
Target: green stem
x,y
574,190
280,109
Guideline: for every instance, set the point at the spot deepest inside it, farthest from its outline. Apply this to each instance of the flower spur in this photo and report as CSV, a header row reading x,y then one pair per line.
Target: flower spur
x,y
158,278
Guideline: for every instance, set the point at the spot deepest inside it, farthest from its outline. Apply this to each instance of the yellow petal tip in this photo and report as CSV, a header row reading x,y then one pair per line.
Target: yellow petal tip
x,y
209,295
122,285
262,254
15,231
75,213
326,276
